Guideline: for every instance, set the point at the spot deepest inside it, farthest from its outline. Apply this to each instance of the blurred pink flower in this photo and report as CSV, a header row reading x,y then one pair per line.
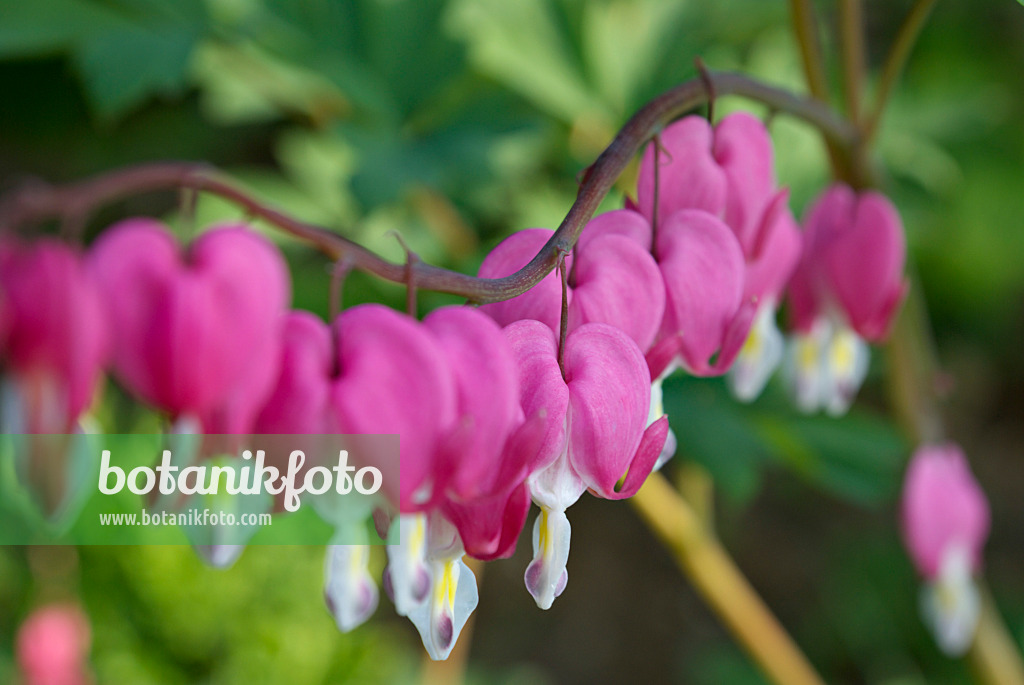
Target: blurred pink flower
x,y
845,291
55,338
854,252
196,331
942,506
299,400
945,520
53,646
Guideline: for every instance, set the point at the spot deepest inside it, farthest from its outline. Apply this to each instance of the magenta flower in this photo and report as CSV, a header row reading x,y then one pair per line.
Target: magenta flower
x,y
615,281
196,332
705,314
845,291
727,171
492,448
945,520
55,341
299,402
53,647
595,431
393,377
853,262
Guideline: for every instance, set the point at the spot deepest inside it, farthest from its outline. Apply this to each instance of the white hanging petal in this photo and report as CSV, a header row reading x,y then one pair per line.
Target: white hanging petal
x,y
453,598
759,357
846,364
546,576
407,577
804,370
951,605
349,590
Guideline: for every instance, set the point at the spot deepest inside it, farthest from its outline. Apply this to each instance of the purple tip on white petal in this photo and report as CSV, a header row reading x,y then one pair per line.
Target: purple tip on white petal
x,y
546,576
349,591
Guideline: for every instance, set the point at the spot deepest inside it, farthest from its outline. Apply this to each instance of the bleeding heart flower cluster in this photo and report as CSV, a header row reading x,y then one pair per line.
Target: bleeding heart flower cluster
x,y
496,407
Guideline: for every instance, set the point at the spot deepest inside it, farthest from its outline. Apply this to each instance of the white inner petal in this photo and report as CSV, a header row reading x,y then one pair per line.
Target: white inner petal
x,y
546,576
759,357
951,605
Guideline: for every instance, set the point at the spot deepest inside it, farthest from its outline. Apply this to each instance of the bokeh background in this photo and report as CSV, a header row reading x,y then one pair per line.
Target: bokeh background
x,y
455,122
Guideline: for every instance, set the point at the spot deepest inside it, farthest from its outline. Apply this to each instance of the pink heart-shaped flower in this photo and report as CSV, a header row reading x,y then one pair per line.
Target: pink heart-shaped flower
x,y
196,331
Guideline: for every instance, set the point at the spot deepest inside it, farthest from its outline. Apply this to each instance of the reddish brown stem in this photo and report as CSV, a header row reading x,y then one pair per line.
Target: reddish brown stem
x,y
39,202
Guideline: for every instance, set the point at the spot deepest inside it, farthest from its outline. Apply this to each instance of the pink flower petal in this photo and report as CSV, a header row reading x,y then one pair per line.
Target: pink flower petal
x,y
743,149
609,391
864,263
487,387
394,378
298,403
703,268
689,176
618,283
942,505
542,302
57,337
542,390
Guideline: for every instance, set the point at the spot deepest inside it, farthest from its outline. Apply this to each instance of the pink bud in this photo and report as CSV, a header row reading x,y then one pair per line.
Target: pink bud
x,y
52,646
942,506
197,331
56,340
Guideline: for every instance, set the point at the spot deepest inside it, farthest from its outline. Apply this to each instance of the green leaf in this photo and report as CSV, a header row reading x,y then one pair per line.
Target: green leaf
x,y
41,27
121,68
712,430
521,45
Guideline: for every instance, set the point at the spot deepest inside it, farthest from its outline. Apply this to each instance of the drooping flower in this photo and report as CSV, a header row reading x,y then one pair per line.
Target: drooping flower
x,y
196,331
492,447
53,647
612,280
55,340
449,388
845,293
705,317
595,436
728,172
54,344
945,519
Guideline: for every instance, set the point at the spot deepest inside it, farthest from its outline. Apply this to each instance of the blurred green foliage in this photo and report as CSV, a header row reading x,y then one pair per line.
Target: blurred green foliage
x,y
455,122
